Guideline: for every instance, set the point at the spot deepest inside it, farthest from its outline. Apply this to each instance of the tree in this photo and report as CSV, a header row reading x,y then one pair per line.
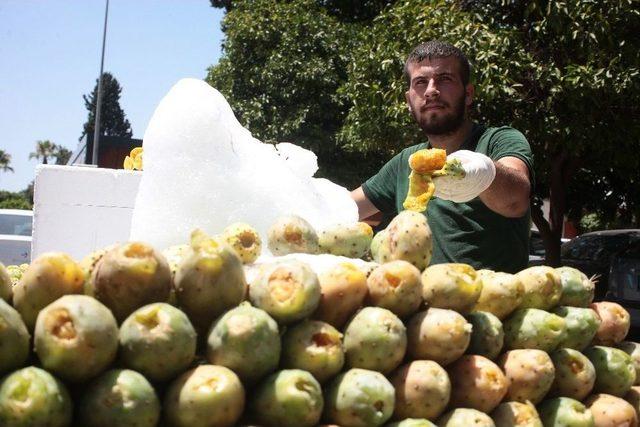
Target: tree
x,y
113,121
5,160
45,150
62,155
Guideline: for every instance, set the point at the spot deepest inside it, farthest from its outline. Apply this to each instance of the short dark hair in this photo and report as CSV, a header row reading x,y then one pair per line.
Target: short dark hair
x,y
438,49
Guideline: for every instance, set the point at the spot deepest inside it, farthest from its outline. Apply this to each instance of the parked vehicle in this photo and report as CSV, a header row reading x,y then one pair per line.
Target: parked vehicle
x,y
15,236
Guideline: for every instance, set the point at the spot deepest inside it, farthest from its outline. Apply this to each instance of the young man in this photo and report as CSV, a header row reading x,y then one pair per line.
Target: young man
x,y
482,219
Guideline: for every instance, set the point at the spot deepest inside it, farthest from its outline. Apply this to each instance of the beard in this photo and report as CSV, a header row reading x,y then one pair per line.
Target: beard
x,y
443,124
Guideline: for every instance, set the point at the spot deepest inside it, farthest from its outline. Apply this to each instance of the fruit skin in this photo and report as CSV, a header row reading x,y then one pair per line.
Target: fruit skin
x,y
530,374
611,411
614,323
49,276
438,334
16,272
204,396
128,277
633,397
476,382
292,234
407,237
6,286
245,240
158,341
516,414
575,374
89,262
581,323
423,390
33,397
351,240
343,289
14,339
377,240
359,398
465,417
288,290
615,372
119,397
209,280
501,293
313,346
542,287
411,422
577,289
288,398
534,329
487,335
76,337
565,412
633,350
451,286
396,286
375,339
246,340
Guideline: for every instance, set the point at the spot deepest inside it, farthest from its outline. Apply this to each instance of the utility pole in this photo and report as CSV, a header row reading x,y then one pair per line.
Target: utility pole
x,y
96,130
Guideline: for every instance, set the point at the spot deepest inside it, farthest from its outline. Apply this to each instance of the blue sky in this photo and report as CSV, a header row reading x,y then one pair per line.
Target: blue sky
x,y
50,57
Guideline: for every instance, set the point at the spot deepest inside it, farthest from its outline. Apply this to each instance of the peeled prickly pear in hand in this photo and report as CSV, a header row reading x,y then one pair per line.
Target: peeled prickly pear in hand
x,y
451,286
351,240
292,234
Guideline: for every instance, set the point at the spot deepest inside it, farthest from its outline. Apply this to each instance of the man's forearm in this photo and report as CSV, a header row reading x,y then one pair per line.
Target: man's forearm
x,y
365,207
508,194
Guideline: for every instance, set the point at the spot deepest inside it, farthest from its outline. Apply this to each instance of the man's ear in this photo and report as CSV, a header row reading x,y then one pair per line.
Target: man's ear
x,y
469,92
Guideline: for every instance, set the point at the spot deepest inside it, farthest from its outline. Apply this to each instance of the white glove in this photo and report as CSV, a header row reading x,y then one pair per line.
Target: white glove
x,y
480,173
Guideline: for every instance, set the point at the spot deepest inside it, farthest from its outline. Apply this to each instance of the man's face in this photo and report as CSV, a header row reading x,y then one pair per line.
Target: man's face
x,y
436,97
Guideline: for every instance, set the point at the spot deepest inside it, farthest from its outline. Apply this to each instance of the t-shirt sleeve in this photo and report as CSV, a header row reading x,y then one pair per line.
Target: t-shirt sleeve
x,y
509,142
380,189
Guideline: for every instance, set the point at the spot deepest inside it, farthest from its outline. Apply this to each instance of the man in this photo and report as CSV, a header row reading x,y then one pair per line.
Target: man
x,y
482,219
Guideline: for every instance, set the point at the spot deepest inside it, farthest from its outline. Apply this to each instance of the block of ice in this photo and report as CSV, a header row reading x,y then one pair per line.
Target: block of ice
x,y
202,169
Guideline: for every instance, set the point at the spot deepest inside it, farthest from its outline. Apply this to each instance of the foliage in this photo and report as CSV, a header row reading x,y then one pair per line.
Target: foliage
x,y
5,161
11,200
45,150
113,121
62,155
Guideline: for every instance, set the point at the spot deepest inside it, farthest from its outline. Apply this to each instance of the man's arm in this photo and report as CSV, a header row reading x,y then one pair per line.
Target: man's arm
x,y
365,207
508,194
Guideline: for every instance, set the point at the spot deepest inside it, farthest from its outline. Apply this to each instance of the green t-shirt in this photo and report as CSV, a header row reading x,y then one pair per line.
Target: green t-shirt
x,y
469,232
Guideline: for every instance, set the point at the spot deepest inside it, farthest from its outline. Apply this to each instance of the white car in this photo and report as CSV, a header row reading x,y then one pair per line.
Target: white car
x,y
15,236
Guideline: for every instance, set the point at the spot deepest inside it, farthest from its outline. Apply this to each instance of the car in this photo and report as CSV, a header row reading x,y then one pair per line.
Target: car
x,y
536,248
15,236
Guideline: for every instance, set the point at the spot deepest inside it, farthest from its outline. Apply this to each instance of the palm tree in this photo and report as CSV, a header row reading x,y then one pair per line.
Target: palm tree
x,y
44,150
5,159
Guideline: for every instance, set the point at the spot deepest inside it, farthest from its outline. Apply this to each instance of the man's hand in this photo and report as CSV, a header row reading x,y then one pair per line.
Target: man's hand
x,y
480,171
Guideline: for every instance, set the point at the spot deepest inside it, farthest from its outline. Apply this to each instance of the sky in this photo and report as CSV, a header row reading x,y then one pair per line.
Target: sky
x,y
50,57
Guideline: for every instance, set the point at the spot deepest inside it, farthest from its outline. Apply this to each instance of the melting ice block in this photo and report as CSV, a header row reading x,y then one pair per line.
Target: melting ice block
x,y
202,169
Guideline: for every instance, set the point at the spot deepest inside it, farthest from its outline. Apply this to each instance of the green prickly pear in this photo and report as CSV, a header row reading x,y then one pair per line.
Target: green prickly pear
x,y
516,414
343,290
451,286
423,390
6,286
119,397
565,412
530,374
615,372
633,350
411,422
614,323
577,289
581,323
16,272
89,262
245,240
542,287
288,398
351,240
76,337
487,335
575,374
476,382
465,417
395,286
611,411
407,237
14,339
292,234
501,293
377,240
534,329
33,397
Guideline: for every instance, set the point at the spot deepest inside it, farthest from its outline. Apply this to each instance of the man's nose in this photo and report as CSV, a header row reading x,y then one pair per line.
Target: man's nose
x,y
431,90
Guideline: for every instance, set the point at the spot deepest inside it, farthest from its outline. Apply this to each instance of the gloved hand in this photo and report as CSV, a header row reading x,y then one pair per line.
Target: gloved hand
x,y
480,172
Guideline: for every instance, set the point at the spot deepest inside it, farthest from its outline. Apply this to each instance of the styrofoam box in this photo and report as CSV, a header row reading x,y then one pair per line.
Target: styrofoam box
x,y
79,209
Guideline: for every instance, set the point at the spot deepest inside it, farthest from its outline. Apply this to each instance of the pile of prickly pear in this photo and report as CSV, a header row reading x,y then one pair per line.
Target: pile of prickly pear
x,y
304,327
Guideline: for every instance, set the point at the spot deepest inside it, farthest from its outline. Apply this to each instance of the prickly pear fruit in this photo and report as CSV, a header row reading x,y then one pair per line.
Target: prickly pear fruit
x,y
16,272
375,339
49,276
6,287
411,422
633,397
174,256
343,290
575,374
89,262
129,276
352,240
158,341
395,286
209,280
422,389
615,372
530,374
76,337
377,240
465,417
14,339
245,240
633,350
487,335
359,398
313,346
119,397
534,329
565,412
516,414
288,398
205,396
438,334
581,323
292,234
611,411
501,293
451,286
577,289
246,340
407,237
33,397
476,382
614,323
288,290
542,287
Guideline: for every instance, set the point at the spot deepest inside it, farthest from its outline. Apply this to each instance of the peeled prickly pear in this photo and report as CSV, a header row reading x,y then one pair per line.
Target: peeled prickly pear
x,y
487,335
6,287
542,287
581,323
465,417
476,382
422,389
501,293
451,286
395,286
575,374
565,412
16,272
534,329
615,371
633,350
245,240
292,234
407,237
343,290
516,414
577,289
614,323
14,339
611,411
352,240
530,374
